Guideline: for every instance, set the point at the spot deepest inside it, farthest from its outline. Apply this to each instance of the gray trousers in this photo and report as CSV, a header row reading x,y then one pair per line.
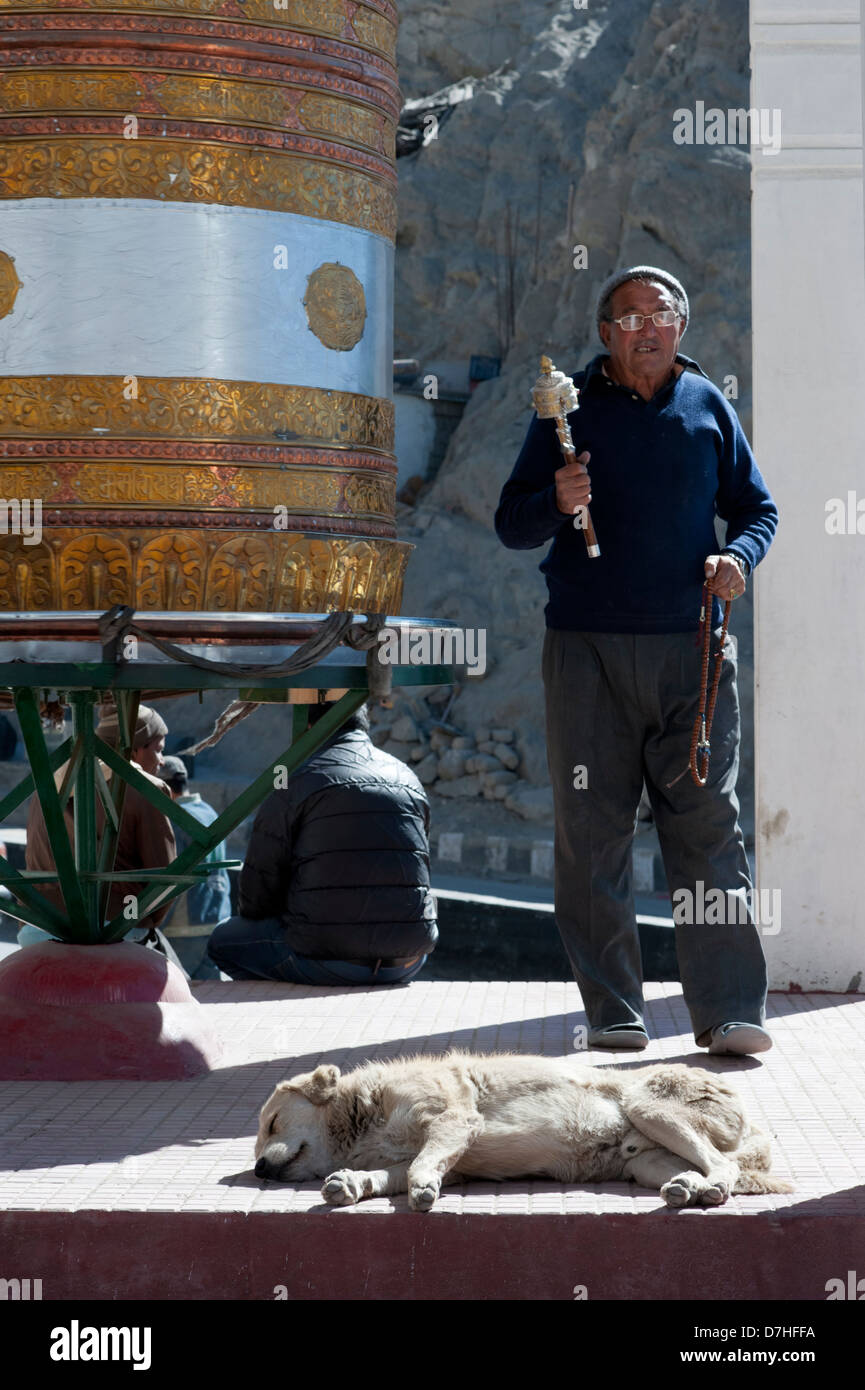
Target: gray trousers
x,y
622,706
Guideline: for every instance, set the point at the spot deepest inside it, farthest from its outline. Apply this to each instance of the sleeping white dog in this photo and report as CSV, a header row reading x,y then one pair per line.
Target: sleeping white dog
x,y
412,1124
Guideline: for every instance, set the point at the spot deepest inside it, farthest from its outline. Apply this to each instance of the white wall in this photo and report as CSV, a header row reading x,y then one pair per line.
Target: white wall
x,y
808,284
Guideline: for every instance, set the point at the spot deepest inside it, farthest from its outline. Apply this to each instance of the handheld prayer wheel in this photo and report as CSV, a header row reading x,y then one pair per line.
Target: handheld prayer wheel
x,y
555,397
197,218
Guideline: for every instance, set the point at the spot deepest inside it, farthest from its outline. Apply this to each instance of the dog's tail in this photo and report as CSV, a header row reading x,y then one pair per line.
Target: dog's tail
x,y
755,1159
755,1151
752,1180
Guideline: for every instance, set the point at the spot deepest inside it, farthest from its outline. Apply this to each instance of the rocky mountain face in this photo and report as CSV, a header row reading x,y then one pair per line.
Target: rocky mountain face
x,y
560,136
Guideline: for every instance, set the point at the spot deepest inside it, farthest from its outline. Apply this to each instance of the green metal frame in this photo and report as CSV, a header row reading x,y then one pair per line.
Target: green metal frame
x,y
85,864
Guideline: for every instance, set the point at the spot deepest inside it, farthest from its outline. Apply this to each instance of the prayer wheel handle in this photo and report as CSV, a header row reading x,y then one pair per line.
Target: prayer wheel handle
x,y
554,395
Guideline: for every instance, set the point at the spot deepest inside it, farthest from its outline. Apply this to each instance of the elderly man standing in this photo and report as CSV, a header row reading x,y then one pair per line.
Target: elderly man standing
x,y
622,663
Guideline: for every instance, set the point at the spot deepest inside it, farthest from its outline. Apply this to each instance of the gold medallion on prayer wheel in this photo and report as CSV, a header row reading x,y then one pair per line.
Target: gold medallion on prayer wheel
x,y
196,271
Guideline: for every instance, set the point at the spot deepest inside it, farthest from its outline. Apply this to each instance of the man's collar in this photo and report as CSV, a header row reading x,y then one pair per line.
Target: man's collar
x,y
596,372
342,733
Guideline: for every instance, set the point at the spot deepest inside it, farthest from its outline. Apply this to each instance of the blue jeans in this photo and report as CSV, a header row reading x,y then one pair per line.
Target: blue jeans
x,y
256,949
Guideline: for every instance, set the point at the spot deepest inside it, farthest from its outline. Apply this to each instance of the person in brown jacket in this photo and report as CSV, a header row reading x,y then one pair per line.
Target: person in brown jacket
x,y
146,838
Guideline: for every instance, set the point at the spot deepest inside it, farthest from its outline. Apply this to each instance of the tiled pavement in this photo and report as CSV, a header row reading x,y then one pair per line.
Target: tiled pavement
x,y
92,1151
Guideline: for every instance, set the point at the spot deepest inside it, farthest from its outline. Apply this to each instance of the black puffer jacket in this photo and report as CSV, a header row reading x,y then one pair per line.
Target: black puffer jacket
x,y
342,855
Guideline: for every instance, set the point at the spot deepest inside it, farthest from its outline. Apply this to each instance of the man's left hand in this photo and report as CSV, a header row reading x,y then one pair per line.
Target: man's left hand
x,y
723,577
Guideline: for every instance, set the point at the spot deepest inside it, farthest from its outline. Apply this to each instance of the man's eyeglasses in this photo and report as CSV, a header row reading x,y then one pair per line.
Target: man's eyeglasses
x,y
632,323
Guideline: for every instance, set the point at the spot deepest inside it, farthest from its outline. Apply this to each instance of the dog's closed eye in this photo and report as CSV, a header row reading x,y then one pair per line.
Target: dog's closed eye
x,y
272,1127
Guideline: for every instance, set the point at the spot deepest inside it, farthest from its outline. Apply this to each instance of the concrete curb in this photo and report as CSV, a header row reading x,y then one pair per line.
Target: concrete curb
x,y
529,856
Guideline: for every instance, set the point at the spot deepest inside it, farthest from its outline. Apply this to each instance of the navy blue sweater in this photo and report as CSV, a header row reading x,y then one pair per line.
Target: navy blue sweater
x,y
660,470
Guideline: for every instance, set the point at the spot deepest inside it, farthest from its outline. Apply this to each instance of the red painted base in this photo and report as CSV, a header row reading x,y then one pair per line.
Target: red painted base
x,y
99,1013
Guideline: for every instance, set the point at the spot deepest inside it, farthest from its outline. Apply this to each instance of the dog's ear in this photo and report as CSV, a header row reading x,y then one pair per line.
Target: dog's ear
x,y
319,1086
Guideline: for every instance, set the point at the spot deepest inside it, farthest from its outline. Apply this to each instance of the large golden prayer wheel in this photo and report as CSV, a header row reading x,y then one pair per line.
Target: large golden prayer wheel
x,y
197,215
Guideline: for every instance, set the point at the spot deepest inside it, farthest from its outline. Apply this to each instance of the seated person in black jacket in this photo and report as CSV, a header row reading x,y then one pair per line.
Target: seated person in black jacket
x,y
335,887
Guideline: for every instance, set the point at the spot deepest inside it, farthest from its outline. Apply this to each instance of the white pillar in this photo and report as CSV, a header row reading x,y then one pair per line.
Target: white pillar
x,y
808,279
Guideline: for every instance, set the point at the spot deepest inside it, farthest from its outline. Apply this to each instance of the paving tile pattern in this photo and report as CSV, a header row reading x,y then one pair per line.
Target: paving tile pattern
x,y
187,1145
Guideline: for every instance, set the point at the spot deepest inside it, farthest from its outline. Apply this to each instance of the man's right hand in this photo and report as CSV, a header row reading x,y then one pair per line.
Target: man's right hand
x,y
573,485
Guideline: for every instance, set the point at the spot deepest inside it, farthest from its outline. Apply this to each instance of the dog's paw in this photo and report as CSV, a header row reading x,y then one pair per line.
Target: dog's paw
x,y
682,1190
342,1189
714,1194
676,1193
422,1194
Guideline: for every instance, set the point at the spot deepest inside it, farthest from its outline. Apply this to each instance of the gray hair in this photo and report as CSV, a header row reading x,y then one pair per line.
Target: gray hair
x,y
646,274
